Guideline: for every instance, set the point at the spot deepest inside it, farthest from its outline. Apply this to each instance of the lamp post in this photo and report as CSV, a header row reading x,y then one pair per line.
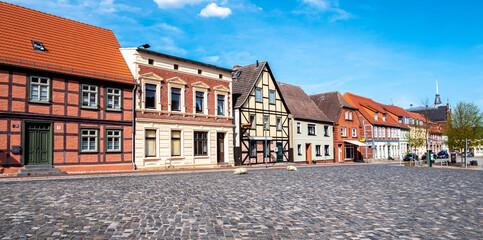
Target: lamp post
x,y
428,156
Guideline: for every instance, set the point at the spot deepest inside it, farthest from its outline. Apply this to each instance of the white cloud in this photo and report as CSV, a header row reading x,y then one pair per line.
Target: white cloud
x,y
211,59
164,4
329,6
213,10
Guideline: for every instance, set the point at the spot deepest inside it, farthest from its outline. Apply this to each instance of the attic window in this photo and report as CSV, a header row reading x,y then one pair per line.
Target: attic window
x,y
237,74
199,71
175,66
150,61
322,98
38,46
220,76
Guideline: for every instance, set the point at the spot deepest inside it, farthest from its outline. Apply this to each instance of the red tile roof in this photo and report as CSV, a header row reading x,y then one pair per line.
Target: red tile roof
x,y
362,103
72,47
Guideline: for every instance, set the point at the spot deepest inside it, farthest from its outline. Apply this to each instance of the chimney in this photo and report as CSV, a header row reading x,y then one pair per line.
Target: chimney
x,y
236,67
257,63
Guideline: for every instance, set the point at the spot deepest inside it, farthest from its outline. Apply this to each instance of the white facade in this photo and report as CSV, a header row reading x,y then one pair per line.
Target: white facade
x,y
320,145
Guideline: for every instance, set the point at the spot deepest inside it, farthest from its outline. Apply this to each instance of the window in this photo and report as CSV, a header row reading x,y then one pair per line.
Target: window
x,y
266,123
89,140
253,148
175,99
175,66
350,115
317,150
343,132
201,143
150,61
89,96
349,151
326,150
326,131
346,114
200,96
272,97
354,132
383,117
220,110
266,149
175,143
258,94
299,149
150,143
311,129
298,128
253,122
375,115
279,124
375,132
114,97
149,96
220,76
114,140
39,89
200,71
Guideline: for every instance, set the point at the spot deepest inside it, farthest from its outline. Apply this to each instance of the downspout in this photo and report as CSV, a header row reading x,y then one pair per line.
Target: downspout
x,y
133,125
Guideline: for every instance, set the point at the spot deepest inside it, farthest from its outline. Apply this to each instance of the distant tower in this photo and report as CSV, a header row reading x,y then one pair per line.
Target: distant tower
x,y
437,100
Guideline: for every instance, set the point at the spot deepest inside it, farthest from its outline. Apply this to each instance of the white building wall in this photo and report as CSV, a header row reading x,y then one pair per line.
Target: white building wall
x,y
319,139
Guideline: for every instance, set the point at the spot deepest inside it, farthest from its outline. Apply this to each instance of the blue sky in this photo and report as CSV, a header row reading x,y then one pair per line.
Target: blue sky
x,y
384,50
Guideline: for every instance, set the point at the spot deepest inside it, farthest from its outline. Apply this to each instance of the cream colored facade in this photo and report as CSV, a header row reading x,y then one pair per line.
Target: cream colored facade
x,y
160,114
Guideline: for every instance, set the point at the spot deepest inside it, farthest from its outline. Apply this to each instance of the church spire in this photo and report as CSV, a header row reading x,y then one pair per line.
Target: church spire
x,y
437,100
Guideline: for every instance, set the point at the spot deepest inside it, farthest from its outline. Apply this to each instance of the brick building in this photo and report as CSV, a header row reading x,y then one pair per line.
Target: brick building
x,y
183,111
348,140
379,131
65,94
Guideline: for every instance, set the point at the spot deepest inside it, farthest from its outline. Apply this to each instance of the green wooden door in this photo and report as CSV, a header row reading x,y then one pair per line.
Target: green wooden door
x,y
38,144
280,152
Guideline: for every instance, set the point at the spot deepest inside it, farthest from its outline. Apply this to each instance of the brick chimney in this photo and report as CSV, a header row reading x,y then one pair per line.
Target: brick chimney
x,y
236,67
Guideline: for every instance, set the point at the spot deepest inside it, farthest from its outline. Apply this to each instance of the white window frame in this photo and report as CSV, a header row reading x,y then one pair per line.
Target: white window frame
x,y
279,123
299,128
222,90
39,84
181,142
108,135
202,88
376,116
153,79
343,132
354,132
253,124
177,83
270,97
256,95
350,115
114,95
96,136
299,149
346,114
89,91
156,146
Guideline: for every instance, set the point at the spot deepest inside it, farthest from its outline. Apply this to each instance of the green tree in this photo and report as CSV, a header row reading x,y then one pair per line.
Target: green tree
x,y
465,121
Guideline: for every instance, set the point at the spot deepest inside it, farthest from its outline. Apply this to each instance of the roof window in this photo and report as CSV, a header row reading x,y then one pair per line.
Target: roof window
x,y
38,46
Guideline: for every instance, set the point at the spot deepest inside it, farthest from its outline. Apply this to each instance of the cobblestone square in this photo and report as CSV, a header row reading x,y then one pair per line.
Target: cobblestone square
x,y
346,202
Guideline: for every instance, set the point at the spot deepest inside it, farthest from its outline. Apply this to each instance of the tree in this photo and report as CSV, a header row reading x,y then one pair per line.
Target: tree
x,y
465,121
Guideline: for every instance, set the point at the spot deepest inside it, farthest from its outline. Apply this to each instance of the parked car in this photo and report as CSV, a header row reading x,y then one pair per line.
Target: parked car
x,y
424,156
410,156
470,154
443,154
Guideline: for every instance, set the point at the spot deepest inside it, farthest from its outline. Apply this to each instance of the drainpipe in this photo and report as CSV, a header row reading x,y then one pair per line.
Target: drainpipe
x,y
133,125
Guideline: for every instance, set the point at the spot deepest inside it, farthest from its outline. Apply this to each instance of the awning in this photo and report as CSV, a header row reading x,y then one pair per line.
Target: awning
x,y
355,143
260,138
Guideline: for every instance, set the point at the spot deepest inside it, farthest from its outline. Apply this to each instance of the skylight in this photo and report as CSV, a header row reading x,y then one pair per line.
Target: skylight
x,y
38,46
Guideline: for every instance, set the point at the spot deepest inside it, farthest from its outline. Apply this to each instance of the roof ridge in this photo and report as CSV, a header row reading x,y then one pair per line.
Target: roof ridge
x,y
30,9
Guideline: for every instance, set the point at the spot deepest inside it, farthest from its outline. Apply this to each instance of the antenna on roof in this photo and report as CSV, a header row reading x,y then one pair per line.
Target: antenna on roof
x,y
145,46
257,63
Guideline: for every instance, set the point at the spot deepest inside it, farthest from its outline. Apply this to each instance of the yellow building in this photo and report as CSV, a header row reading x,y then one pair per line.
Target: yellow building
x,y
260,115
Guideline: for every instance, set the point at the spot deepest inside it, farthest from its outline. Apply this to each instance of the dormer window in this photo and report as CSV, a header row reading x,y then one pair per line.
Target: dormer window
x,y
375,116
38,46
383,117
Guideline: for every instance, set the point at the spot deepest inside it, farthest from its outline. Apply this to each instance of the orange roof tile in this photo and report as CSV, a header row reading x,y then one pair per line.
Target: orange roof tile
x,y
72,47
362,102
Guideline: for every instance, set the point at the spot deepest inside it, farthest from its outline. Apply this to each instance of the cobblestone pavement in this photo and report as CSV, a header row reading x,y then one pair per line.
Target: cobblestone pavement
x,y
347,202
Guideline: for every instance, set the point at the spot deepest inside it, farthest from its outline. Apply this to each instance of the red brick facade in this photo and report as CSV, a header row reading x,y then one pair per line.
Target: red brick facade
x,y
349,122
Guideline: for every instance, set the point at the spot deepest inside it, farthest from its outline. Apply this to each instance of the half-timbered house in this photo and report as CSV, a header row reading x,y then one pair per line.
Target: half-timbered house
x,y
183,113
65,94
261,116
